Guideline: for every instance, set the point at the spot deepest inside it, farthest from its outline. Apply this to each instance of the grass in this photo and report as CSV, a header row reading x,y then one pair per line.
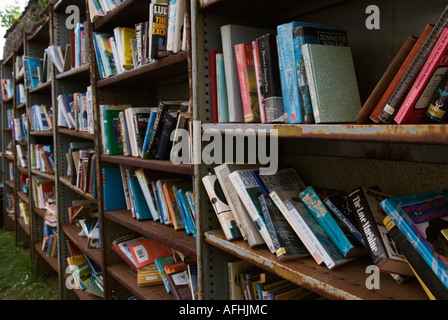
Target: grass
x,y
18,281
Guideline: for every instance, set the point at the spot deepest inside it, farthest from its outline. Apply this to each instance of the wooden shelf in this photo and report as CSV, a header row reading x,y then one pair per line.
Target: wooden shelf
x,y
123,274
75,133
345,282
125,15
82,294
41,133
10,183
40,212
42,32
159,165
48,176
80,73
25,227
66,181
52,261
42,88
436,134
178,240
23,196
166,68
23,170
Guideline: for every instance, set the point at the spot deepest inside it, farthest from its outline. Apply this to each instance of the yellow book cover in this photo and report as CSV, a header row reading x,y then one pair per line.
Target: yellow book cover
x,y
126,35
148,275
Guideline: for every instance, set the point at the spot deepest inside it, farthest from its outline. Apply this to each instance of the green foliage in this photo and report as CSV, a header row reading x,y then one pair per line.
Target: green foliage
x,y
43,3
10,15
17,279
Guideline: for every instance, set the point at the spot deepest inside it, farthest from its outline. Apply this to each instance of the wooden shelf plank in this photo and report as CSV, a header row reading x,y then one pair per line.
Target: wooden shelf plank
x,y
72,231
53,262
345,282
66,181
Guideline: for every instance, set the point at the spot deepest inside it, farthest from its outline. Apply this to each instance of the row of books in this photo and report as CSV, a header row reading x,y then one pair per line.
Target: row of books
x,y
22,156
144,132
20,94
75,111
9,118
156,263
50,234
36,70
283,75
24,211
41,117
334,227
19,128
98,8
248,282
149,195
42,157
7,87
43,191
128,48
413,88
81,166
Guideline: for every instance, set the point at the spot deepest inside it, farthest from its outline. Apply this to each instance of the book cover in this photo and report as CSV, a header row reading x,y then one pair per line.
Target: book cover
x,y
179,284
113,194
161,262
332,82
158,24
248,86
172,206
152,118
270,76
284,179
143,178
431,75
146,251
286,242
422,270
126,49
417,217
230,36
113,132
33,71
220,205
148,276
165,142
320,212
221,90
141,208
245,223
133,131
234,269
248,190
175,26
141,120
187,215
314,232
314,35
364,202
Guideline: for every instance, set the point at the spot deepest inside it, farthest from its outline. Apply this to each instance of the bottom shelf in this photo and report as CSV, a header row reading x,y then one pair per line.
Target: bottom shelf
x,y
345,282
52,262
123,274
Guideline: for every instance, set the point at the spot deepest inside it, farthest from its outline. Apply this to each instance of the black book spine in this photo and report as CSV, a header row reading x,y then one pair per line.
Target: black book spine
x,y
165,141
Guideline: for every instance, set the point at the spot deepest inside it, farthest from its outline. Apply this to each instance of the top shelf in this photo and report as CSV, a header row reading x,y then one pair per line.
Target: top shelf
x,y
435,134
125,15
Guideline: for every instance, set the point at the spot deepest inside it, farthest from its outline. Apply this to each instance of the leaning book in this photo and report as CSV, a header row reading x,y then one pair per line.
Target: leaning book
x,y
422,219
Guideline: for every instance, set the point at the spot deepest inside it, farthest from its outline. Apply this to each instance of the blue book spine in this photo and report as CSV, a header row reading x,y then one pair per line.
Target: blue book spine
x,y
423,207
98,56
188,213
141,208
151,120
113,189
325,219
223,106
182,211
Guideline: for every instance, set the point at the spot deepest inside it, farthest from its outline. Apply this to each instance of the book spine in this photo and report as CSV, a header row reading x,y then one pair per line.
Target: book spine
x,y
158,30
400,93
404,224
259,80
419,97
213,84
372,238
385,80
246,73
155,132
221,90
325,219
379,107
242,189
269,224
270,74
288,75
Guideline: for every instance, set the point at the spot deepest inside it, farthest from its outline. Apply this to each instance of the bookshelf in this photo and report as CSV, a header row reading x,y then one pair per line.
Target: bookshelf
x,y
400,159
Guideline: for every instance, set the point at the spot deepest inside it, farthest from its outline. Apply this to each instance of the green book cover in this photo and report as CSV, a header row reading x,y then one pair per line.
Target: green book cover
x,y
112,129
332,83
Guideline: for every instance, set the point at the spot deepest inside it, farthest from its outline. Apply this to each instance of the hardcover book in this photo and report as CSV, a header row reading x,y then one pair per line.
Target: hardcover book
x,y
364,202
420,218
286,243
158,25
213,84
315,35
332,81
112,131
419,97
221,90
165,142
230,36
270,77
320,212
248,85
113,193
245,223
139,204
259,79
221,207
248,190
